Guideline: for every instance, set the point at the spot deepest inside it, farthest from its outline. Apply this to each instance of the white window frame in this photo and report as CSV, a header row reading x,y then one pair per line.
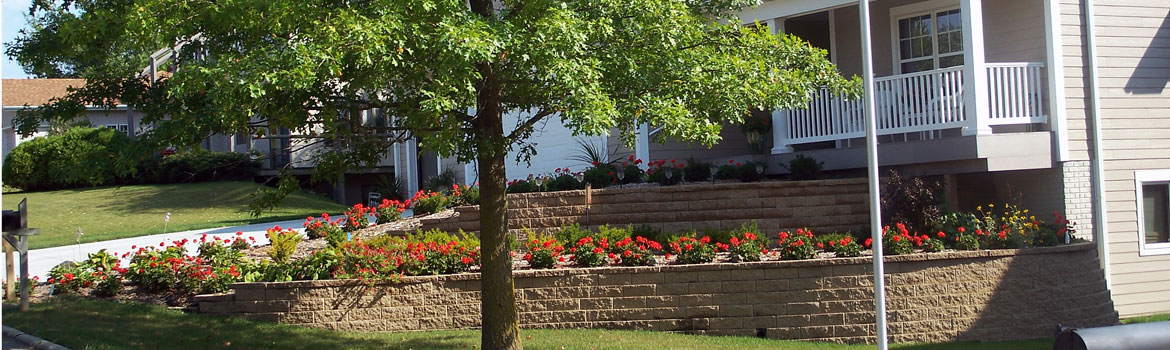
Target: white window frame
x,y
931,8
1143,177
125,129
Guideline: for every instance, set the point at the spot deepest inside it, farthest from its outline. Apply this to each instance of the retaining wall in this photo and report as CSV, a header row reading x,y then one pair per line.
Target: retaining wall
x,y
823,206
950,296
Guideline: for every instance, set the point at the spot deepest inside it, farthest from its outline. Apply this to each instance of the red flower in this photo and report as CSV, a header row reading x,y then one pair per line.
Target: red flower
x,y
963,229
897,238
941,234
820,245
868,241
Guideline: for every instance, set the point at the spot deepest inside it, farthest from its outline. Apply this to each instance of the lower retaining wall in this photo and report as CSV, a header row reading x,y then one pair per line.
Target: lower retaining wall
x,y
952,296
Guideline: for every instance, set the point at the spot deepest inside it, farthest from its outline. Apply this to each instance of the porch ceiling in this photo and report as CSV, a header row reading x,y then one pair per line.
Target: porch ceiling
x,y
785,8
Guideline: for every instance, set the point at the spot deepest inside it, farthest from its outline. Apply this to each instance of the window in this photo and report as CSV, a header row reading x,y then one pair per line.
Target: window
x,y
1153,209
930,40
120,127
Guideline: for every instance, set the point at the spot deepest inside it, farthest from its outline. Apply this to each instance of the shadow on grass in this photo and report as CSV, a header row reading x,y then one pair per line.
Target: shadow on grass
x,y
90,324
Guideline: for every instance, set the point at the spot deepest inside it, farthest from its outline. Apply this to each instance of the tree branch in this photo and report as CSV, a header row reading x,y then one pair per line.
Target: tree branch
x,y
527,124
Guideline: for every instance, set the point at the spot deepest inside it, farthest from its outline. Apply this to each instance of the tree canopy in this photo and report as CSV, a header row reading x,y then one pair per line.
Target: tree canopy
x,y
445,71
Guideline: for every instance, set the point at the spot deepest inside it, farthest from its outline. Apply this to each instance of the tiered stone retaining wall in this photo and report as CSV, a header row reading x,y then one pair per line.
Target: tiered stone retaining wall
x,y
823,206
975,295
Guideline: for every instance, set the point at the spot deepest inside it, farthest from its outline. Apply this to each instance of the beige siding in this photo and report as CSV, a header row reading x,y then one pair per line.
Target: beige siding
x,y
1133,51
1013,32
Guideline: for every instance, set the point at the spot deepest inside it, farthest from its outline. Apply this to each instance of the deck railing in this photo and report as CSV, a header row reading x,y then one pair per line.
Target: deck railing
x,y
918,102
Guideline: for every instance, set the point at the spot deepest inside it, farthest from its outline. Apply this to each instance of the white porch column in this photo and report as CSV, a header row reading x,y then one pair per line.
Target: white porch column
x,y
780,133
642,145
1055,66
469,175
779,118
975,88
411,167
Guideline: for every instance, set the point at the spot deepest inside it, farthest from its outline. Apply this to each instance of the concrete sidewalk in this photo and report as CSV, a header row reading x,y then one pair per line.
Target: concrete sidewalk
x,y
40,261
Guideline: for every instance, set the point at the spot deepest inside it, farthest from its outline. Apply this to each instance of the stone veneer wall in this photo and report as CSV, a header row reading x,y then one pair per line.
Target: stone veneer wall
x,y
823,206
975,295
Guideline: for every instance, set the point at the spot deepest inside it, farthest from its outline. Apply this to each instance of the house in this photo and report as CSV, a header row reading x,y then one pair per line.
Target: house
x,y
1059,105
276,151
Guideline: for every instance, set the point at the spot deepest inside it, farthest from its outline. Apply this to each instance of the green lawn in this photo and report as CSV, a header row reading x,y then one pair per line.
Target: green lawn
x,y
105,213
1148,318
93,324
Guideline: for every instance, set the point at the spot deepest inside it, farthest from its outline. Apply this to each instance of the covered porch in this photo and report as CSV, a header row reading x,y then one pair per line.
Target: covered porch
x,y
944,69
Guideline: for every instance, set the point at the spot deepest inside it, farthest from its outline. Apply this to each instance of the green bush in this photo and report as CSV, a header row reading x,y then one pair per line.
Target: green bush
x,y
658,175
202,165
752,171
79,157
804,167
727,172
430,203
569,235
600,176
632,174
521,186
284,244
696,171
564,182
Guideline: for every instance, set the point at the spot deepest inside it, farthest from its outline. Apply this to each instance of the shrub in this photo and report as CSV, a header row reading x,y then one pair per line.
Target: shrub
x,y
695,171
728,171
564,181
66,278
803,167
571,233
81,156
321,228
652,233
391,187
800,246
636,251
929,244
827,242
631,174
845,247
588,252
355,218
521,186
108,284
444,180
600,175
443,257
284,244
389,211
462,195
614,233
910,201
663,174
752,171
695,251
543,253
747,248
426,202
202,165
896,240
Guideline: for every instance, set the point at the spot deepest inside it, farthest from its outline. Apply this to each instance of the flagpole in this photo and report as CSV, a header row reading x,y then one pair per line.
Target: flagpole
x,y
875,210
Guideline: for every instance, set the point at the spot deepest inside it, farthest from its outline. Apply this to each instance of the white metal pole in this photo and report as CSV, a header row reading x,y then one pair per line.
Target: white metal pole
x,y
1100,222
875,207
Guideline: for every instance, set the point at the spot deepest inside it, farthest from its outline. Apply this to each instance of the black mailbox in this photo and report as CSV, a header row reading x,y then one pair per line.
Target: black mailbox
x,y
1141,336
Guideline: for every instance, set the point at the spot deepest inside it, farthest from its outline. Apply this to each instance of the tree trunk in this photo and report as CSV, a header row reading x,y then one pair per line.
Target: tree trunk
x,y
500,317
501,321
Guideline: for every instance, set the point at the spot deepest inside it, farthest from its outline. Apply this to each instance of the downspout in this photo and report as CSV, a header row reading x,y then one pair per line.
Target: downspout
x,y
1098,163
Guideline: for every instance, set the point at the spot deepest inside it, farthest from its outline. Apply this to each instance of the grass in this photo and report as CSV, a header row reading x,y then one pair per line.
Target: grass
x,y
97,324
1147,318
105,213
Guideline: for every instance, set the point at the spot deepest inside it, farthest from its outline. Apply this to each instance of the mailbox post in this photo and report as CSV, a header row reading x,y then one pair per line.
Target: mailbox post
x,y
16,234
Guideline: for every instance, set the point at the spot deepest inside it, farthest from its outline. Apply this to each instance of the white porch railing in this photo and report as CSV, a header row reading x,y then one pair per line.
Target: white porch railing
x,y
916,102
1016,93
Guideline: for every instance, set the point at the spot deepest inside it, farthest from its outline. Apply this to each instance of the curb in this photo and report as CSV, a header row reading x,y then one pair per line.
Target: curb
x,y
31,340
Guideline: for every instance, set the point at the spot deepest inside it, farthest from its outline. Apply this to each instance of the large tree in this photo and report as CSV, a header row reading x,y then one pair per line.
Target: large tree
x,y
447,71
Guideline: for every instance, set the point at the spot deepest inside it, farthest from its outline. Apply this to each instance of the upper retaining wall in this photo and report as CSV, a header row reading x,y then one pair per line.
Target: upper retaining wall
x,y
952,296
823,206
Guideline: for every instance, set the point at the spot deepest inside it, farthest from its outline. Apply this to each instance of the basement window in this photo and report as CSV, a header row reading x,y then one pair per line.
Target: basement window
x,y
1153,211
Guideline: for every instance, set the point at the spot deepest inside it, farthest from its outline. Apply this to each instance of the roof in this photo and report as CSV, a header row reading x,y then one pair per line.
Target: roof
x,y
35,92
